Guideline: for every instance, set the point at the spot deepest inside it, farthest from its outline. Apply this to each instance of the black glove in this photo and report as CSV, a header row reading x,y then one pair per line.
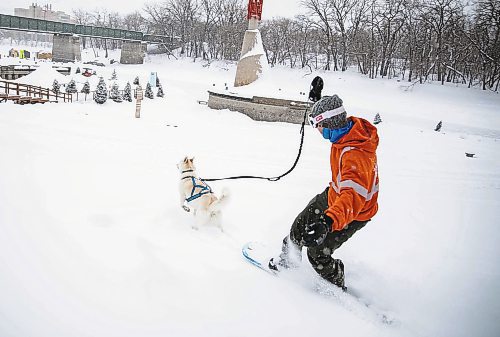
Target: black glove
x,y
316,230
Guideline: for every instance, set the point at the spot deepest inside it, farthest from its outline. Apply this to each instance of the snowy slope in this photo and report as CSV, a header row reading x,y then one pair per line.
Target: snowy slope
x,y
94,243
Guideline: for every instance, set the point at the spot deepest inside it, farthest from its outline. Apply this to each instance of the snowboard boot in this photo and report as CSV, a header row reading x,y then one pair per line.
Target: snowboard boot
x,y
289,258
332,271
275,264
338,277
278,264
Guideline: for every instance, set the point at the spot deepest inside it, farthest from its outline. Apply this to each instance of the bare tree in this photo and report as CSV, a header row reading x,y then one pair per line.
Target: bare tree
x,y
82,17
323,11
135,21
158,19
439,16
210,13
389,22
484,38
183,13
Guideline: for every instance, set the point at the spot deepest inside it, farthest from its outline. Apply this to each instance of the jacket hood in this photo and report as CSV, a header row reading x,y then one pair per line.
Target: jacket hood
x,y
363,135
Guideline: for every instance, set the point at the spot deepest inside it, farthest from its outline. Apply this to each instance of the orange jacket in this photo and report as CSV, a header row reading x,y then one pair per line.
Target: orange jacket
x,y
353,191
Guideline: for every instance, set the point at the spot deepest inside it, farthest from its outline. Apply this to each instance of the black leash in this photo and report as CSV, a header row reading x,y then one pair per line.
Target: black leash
x,y
278,177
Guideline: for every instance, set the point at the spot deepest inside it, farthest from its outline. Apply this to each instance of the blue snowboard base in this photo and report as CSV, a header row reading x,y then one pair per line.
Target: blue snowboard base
x,y
259,255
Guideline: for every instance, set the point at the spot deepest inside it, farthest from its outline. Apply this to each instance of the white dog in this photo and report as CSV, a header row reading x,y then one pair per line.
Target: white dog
x,y
196,195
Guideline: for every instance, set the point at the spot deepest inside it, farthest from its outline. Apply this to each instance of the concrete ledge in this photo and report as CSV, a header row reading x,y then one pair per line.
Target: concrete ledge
x,y
261,108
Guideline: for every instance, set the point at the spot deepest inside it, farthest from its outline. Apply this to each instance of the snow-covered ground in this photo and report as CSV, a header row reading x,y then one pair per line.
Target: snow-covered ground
x,y
93,241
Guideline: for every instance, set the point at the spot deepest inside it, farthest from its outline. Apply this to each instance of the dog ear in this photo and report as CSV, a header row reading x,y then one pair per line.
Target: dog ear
x,y
186,159
191,160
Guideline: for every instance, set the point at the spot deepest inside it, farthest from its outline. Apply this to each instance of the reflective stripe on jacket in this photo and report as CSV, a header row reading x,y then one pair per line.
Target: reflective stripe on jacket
x,y
353,191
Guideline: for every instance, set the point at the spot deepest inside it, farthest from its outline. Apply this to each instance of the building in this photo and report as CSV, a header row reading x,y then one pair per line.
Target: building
x,y
44,12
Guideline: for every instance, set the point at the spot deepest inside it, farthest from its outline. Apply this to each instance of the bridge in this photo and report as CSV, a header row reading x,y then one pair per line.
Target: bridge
x,y
66,44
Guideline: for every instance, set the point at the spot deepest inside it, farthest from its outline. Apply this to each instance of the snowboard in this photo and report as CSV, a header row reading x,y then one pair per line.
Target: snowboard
x,y
258,254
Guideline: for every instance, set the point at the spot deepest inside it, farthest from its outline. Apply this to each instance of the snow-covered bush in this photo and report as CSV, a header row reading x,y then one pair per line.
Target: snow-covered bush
x,y
115,94
71,87
86,89
127,93
101,93
56,87
149,91
160,91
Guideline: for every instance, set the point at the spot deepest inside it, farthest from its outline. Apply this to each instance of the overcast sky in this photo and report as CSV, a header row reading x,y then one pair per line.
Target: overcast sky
x,y
272,8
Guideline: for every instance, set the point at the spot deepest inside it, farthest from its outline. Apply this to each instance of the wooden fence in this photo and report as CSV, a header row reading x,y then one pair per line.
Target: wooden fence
x,y
133,94
18,91
25,93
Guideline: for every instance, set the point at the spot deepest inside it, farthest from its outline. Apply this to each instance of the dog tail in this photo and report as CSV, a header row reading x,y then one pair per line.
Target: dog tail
x,y
221,201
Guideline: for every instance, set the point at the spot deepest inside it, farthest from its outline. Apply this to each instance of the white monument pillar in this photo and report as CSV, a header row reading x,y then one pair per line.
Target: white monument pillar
x,y
252,56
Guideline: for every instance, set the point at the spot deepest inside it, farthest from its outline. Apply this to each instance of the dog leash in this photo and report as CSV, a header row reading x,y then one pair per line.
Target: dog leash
x,y
271,178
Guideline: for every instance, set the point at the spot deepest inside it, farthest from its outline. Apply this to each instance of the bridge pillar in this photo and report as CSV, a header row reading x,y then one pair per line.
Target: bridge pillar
x,y
66,48
132,53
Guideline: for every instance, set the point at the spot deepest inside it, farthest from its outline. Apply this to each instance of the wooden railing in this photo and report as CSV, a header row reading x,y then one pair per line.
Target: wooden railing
x,y
12,88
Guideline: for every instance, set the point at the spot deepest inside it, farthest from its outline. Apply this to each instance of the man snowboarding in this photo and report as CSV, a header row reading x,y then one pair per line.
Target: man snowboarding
x,y
347,204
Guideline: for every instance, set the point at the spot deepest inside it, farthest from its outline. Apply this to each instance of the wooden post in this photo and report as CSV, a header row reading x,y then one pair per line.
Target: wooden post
x,y
138,97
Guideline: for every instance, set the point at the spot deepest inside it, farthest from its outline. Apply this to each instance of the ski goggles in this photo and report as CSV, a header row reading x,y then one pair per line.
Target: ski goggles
x,y
314,121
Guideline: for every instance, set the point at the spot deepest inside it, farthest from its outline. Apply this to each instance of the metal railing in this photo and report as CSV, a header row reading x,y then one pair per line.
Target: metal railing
x,y
14,22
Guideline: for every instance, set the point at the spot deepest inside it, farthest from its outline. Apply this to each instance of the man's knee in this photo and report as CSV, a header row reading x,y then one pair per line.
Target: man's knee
x,y
317,204
319,257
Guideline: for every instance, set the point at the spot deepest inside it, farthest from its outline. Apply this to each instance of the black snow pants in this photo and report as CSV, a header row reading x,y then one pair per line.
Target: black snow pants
x,y
320,257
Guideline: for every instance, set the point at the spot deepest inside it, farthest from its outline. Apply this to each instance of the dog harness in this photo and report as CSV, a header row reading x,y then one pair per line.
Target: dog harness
x,y
204,188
